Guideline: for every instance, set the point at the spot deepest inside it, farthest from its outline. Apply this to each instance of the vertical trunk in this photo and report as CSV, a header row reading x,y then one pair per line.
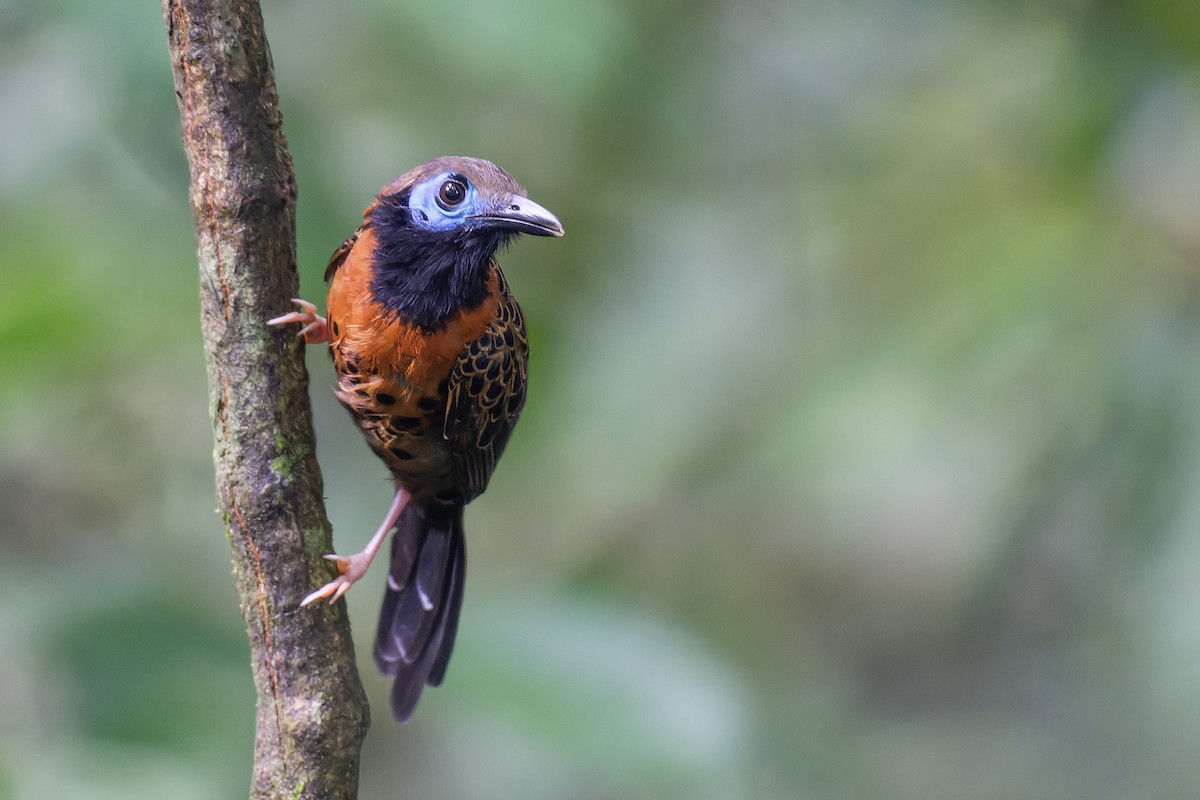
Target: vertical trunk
x,y
312,713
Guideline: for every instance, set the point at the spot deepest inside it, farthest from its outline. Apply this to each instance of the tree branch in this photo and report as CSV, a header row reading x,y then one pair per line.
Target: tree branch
x,y
312,712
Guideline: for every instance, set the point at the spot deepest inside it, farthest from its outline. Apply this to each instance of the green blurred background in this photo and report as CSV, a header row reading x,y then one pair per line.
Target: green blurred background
x,y
862,446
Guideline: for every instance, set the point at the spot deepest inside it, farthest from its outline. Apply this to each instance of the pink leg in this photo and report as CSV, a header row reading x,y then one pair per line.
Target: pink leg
x,y
352,568
314,331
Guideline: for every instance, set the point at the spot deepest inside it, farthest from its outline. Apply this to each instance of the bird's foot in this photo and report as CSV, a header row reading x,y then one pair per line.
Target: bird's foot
x,y
350,569
315,330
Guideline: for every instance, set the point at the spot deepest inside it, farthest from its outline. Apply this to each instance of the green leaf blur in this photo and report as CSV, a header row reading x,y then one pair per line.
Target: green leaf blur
x,y
863,438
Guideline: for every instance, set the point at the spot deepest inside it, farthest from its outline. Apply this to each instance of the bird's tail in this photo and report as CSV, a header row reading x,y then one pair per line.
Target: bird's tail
x,y
419,616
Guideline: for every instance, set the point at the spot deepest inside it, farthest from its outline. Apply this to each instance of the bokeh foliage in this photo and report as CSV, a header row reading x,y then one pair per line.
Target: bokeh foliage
x,y
861,453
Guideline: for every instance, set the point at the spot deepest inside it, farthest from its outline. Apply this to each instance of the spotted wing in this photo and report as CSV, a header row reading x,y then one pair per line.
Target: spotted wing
x,y
486,392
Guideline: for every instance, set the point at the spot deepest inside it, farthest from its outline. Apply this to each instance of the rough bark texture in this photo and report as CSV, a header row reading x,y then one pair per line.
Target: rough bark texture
x,y
312,712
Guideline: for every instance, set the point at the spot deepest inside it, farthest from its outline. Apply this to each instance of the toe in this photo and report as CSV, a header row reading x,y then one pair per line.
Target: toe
x,y
324,591
343,563
343,587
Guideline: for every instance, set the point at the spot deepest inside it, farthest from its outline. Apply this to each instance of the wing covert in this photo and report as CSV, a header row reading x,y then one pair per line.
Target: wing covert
x,y
486,392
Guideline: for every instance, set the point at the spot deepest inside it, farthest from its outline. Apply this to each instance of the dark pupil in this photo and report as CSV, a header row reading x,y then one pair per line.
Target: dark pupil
x,y
452,192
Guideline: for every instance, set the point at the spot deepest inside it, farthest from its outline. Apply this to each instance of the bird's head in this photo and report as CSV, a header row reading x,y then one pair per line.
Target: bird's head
x,y
437,228
456,195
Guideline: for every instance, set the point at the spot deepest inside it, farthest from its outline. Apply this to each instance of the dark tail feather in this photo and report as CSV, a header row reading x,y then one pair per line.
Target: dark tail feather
x,y
450,627
419,616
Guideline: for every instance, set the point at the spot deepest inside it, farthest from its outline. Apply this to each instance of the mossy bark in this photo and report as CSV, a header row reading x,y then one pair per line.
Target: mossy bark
x,y
312,712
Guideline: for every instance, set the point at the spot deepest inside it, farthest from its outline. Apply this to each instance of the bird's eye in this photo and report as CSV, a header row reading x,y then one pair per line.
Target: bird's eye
x,y
452,192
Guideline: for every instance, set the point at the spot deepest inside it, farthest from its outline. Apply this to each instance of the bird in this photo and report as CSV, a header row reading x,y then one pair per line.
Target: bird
x,y
431,355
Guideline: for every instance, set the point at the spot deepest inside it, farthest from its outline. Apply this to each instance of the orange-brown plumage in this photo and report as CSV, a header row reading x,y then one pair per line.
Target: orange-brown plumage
x,y
385,342
431,355
391,372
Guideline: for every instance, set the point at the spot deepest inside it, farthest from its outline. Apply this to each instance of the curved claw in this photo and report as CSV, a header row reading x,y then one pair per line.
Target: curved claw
x,y
315,330
323,592
349,571
351,568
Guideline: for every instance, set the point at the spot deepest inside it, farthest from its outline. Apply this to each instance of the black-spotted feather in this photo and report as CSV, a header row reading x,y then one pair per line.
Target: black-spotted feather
x,y
486,392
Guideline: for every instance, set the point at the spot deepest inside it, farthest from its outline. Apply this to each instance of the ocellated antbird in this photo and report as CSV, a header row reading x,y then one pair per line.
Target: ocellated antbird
x,y
431,356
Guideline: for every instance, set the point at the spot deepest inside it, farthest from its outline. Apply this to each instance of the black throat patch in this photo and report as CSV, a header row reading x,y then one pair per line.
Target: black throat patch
x,y
427,277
